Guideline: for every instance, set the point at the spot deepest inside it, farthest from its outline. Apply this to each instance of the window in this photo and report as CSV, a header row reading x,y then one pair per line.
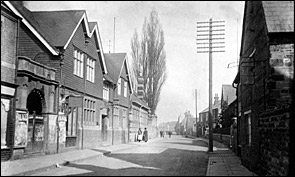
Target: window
x,y
119,86
90,69
78,63
89,112
71,124
105,92
116,117
124,118
248,128
125,89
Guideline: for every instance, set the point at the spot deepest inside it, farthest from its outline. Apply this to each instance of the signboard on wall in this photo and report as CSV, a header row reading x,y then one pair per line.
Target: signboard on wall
x,y
21,129
75,101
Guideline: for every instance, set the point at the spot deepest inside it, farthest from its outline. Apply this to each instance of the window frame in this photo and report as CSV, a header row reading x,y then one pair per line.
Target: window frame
x,y
90,69
106,93
89,111
78,60
119,85
125,88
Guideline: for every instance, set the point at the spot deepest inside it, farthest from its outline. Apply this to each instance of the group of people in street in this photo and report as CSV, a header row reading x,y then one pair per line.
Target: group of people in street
x,y
142,136
162,133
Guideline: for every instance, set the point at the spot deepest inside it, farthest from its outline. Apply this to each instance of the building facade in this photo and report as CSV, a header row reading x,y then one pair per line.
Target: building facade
x,y
266,73
9,42
203,123
117,64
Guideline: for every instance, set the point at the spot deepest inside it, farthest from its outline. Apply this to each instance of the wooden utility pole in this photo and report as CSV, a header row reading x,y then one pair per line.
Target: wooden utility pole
x,y
196,100
209,32
114,35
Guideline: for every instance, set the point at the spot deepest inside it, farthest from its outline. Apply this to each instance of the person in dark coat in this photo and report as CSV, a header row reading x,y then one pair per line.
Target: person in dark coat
x,y
139,135
145,135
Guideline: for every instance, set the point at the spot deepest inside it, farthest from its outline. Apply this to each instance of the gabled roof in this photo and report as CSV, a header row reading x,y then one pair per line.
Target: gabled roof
x,y
228,94
31,23
115,63
91,26
57,28
279,15
59,25
214,106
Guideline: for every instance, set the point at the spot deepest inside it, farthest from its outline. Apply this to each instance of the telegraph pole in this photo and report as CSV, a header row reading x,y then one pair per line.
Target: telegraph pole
x,y
196,100
208,32
114,34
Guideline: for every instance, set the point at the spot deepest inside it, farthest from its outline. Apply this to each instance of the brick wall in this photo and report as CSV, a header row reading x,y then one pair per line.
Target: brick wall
x,y
224,139
253,71
275,139
9,29
265,85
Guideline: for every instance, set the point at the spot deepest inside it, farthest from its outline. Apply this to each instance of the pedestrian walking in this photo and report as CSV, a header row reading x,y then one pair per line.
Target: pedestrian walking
x,y
139,135
170,134
145,135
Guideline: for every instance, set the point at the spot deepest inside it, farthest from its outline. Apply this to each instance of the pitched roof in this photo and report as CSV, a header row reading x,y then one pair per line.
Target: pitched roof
x,y
114,62
214,106
279,15
228,93
29,20
58,25
92,25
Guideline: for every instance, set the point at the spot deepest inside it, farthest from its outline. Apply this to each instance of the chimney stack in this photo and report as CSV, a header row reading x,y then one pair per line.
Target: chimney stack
x,y
216,98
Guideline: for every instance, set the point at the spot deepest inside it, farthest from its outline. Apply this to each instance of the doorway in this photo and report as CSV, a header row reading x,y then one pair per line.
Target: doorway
x,y
35,104
105,125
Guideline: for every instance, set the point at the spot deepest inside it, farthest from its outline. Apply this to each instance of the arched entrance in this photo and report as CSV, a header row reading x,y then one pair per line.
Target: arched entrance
x,y
35,105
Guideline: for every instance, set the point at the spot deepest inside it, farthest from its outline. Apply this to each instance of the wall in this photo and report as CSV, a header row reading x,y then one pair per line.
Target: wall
x,y
252,72
9,28
224,139
275,140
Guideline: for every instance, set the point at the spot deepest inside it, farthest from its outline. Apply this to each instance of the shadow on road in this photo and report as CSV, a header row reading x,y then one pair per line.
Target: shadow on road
x,y
166,158
171,162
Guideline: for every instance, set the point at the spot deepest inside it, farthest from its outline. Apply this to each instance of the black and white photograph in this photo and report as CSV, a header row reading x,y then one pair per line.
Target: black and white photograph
x,y
147,88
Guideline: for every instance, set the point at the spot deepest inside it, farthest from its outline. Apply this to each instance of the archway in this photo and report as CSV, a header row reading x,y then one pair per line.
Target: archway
x,y
35,105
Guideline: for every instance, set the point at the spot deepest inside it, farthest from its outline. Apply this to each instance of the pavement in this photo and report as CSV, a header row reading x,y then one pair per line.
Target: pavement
x,y
222,161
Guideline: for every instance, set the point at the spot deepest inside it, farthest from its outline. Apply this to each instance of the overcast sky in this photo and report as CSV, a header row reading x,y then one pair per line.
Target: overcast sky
x,y
187,70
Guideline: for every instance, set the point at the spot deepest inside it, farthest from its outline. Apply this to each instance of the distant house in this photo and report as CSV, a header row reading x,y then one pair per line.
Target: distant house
x,y
187,124
228,111
204,115
264,82
119,73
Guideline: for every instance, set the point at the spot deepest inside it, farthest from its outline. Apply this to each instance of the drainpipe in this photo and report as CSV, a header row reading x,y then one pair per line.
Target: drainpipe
x,y
238,118
61,57
114,92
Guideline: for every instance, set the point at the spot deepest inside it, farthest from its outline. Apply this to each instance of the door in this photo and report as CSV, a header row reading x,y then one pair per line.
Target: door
x,y
105,123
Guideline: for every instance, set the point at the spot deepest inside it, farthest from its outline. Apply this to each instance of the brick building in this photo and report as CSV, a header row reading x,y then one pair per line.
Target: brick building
x,y
228,111
9,42
64,41
203,122
265,84
36,92
139,117
119,73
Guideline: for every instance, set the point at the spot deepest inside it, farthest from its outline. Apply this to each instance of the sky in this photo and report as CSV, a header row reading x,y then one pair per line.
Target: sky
x,y
187,70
